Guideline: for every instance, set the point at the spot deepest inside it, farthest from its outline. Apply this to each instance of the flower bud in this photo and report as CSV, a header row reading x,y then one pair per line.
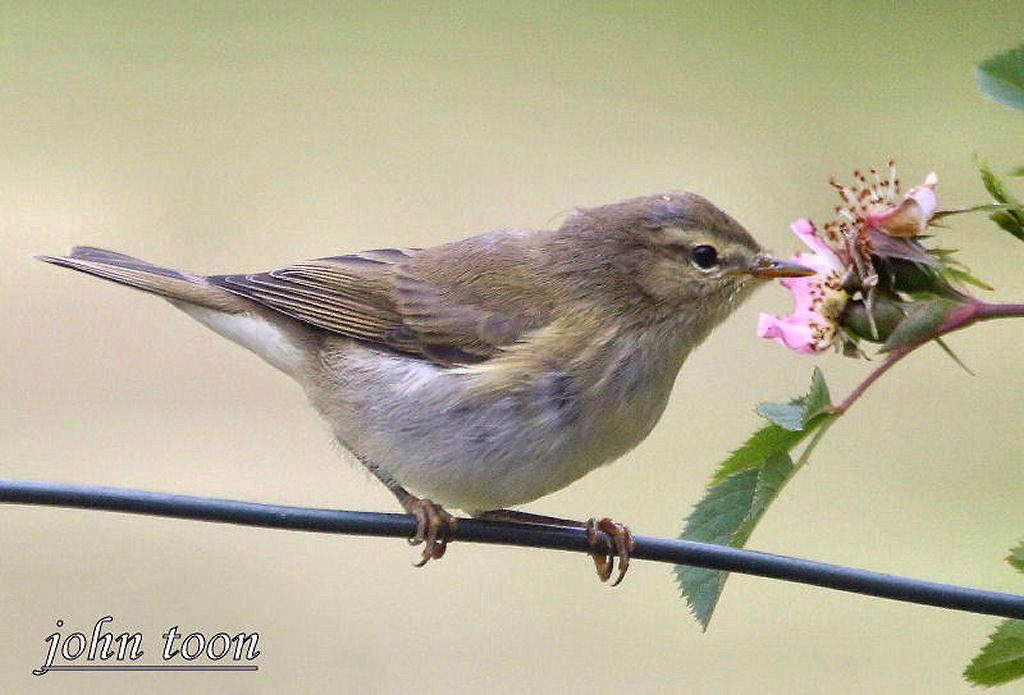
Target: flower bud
x,y
886,311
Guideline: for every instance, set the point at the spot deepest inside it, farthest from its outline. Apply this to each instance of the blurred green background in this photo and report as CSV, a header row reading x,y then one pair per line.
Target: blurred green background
x,y
230,137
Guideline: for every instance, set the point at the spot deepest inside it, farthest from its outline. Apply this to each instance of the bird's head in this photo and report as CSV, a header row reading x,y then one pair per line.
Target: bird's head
x,y
679,250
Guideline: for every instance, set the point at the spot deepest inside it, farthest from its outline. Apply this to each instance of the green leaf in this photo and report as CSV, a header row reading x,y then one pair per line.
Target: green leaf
x,y
1010,220
1017,171
727,516
746,483
1001,660
781,434
789,416
921,323
994,185
1001,77
817,401
752,453
1016,557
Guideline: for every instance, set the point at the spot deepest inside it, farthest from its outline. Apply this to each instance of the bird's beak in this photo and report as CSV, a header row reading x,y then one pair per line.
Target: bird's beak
x,y
767,268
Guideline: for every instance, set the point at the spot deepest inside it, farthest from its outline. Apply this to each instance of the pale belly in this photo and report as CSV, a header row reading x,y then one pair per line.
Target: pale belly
x,y
449,435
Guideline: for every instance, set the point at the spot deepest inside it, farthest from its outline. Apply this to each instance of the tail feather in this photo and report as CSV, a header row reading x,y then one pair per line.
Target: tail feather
x,y
273,336
142,275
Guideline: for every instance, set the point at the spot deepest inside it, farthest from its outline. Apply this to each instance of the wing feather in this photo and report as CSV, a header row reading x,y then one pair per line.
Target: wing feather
x,y
383,298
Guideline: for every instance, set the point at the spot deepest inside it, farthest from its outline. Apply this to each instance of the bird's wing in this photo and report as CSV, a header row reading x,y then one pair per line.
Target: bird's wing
x,y
382,297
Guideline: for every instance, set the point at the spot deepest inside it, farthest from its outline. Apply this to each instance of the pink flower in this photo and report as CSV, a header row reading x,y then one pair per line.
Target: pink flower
x,y
820,298
873,221
911,216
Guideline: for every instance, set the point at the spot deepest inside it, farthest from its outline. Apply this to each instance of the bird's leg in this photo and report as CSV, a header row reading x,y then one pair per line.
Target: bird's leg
x,y
434,526
622,538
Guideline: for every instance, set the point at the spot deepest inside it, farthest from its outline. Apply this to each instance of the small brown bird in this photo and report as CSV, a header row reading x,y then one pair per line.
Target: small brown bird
x,y
487,372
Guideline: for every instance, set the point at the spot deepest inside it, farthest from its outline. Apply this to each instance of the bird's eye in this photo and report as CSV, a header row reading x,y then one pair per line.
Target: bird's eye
x,y
704,256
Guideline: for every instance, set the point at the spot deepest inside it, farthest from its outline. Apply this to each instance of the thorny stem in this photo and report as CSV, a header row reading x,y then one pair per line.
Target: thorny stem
x,y
963,316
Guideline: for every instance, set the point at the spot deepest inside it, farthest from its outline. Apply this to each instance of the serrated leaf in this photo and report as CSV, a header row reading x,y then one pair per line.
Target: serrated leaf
x,y
1001,77
776,436
789,416
1016,557
727,515
818,401
752,452
920,324
746,483
1001,660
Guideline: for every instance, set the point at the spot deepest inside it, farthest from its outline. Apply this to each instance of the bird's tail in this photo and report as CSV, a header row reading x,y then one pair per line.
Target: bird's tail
x,y
273,336
133,272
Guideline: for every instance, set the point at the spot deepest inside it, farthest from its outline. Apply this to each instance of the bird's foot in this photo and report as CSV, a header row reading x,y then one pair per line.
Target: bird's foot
x,y
622,539
434,528
622,542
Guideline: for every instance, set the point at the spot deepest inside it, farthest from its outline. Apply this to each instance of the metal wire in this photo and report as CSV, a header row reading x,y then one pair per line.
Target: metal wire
x,y
671,550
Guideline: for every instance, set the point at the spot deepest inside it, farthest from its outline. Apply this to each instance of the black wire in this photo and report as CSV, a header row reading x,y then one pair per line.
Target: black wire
x,y
672,550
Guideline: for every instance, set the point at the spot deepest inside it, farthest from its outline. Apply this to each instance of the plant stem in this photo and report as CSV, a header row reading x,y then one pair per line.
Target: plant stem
x,y
894,357
968,313
994,311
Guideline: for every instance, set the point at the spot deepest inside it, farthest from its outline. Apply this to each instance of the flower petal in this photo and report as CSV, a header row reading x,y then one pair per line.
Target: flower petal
x,y
802,290
912,215
818,299
790,331
925,195
808,234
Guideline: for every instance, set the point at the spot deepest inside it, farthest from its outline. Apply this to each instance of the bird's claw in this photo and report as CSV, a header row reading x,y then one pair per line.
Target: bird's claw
x,y
622,542
434,528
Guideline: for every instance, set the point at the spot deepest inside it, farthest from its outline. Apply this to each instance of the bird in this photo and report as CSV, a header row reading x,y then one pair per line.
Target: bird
x,y
485,373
